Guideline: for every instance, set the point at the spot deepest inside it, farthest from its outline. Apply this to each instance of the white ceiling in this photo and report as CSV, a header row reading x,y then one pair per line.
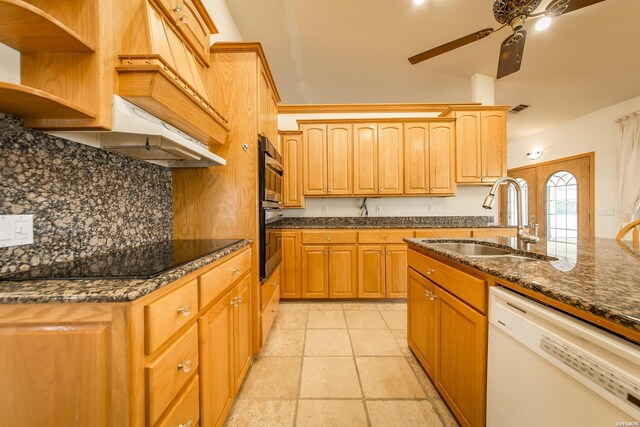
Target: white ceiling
x,y
352,51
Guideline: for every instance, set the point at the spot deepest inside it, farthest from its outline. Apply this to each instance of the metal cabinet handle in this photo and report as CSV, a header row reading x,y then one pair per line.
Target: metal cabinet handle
x,y
177,8
329,190
235,271
239,299
430,271
386,237
185,310
185,367
187,424
184,19
233,303
328,238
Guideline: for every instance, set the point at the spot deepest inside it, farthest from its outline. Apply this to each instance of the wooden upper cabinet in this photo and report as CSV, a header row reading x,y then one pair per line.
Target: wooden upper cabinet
x,y
416,158
468,147
493,125
442,158
291,150
340,159
314,143
390,158
365,158
263,102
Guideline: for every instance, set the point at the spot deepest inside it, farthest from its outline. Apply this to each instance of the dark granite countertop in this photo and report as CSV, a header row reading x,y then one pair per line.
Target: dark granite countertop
x,y
597,276
387,222
102,290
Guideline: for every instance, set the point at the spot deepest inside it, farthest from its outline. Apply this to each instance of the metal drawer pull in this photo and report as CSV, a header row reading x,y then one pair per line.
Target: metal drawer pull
x,y
186,366
233,303
184,19
328,238
187,424
235,271
431,295
239,299
185,310
177,8
430,271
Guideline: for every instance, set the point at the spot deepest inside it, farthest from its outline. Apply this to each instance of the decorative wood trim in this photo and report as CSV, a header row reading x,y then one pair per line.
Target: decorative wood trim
x,y
550,162
383,120
369,108
476,107
205,16
256,47
289,132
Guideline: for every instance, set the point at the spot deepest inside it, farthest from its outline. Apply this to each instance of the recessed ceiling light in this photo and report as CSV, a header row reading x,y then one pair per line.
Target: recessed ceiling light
x,y
418,1
543,23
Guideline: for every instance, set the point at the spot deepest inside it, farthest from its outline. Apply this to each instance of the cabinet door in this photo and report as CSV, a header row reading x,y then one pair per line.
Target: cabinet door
x,y
292,176
493,127
468,147
396,271
216,362
273,116
442,158
315,271
343,271
462,361
340,159
390,158
371,268
242,349
421,332
365,158
416,158
314,147
290,267
263,102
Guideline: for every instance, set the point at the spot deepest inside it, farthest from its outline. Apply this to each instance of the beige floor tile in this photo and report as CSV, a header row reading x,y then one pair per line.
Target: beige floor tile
x,y
392,306
326,320
400,336
293,306
329,377
373,342
364,320
388,377
327,342
445,414
273,378
262,413
291,320
359,306
395,319
331,413
384,413
284,342
422,377
325,306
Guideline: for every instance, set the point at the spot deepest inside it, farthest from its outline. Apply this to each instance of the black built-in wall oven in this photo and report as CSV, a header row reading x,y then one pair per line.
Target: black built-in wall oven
x,y
271,186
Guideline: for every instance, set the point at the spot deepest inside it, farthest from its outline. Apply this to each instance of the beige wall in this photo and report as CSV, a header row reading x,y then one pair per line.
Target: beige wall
x,y
9,64
597,132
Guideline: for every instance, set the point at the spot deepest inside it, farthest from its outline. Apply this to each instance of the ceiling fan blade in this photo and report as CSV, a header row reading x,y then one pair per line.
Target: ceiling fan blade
x,y
511,54
561,7
450,46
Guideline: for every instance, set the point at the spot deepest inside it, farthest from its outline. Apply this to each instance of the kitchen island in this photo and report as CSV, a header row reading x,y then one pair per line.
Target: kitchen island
x,y
448,301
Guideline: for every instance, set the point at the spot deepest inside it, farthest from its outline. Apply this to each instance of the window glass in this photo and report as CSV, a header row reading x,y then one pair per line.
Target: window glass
x,y
562,207
511,203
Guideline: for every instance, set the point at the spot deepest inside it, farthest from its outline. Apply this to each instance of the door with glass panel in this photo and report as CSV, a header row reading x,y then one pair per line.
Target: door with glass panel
x,y
557,195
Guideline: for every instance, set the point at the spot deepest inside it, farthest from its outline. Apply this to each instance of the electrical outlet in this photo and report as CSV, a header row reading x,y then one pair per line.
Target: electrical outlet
x,y
325,209
378,208
16,230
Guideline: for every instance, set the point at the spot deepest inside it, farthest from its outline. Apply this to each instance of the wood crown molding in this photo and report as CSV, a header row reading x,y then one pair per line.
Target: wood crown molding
x,y
381,120
205,16
477,107
230,47
369,108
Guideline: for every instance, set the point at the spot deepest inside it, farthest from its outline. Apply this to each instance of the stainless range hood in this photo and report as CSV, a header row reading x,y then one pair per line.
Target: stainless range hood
x,y
136,133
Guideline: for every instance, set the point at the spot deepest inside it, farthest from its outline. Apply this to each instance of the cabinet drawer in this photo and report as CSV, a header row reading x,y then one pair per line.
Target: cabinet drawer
x,y
186,410
184,15
268,288
470,289
162,318
443,233
170,372
385,236
494,232
329,237
269,315
215,281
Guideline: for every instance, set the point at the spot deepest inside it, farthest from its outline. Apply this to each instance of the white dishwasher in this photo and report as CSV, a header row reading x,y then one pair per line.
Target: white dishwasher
x,y
546,368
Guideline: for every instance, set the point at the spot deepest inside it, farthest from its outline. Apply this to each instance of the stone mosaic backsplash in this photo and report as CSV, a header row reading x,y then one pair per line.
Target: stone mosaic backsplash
x,y
85,201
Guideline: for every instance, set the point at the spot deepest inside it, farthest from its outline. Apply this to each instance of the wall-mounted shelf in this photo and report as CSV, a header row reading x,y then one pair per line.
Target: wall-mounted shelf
x,y
27,28
27,102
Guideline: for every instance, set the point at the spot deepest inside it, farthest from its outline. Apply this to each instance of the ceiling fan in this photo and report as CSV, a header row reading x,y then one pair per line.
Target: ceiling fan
x,y
511,13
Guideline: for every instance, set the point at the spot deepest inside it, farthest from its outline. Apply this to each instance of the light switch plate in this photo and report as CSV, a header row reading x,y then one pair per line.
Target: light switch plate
x,y
16,230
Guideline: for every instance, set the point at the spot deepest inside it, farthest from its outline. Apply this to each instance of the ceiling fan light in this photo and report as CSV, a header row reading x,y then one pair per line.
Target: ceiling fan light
x,y
543,23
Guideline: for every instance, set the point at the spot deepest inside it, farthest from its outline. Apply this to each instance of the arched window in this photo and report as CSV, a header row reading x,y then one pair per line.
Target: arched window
x,y
562,207
511,203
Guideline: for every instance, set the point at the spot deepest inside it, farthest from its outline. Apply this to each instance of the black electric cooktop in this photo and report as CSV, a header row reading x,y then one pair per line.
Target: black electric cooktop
x,y
140,262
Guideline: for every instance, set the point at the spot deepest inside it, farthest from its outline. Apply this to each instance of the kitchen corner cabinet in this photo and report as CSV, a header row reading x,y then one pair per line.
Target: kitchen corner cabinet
x,y
481,144
447,331
429,158
328,159
292,158
378,158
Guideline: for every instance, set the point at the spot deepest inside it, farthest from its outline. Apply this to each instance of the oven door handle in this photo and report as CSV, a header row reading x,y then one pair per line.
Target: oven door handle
x,y
273,164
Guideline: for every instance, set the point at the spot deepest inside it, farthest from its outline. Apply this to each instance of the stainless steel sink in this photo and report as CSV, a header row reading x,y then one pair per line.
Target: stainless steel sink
x,y
472,249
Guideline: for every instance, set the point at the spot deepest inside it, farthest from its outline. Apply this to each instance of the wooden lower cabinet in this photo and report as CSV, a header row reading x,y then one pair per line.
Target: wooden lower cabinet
x,y
315,272
290,268
329,271
242,348
383,271
449,339
396,271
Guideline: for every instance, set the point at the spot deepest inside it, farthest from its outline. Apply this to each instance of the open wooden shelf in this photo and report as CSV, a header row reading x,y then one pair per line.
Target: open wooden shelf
x,y
29,29
29,103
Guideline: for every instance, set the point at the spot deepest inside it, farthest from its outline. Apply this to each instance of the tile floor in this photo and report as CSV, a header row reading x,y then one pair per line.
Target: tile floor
x,y
338,364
